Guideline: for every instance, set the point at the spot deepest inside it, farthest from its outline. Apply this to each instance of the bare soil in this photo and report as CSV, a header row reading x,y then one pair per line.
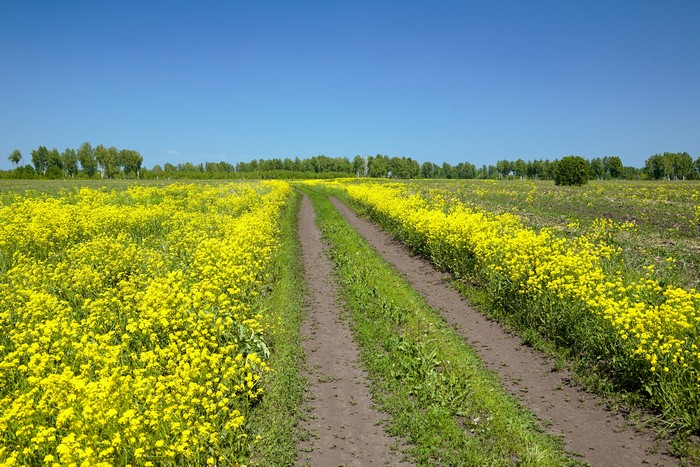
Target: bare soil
x,y
600,436
344,428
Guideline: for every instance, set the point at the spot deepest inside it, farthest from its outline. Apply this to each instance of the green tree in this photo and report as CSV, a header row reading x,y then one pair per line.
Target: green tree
x,y
492,172
597,169
654,167
15,156
519,168
571,170
612,166
504,168
447,171
534,169
465,170
632,173
548,169
130,161
429,170
40,159
101,157
683,166
670,165
86,157
69,162
379,166
108,160
403,167
358,166
54,168
298,165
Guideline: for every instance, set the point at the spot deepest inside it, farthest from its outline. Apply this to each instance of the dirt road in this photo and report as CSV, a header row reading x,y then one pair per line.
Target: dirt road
x,y
601,437
344,427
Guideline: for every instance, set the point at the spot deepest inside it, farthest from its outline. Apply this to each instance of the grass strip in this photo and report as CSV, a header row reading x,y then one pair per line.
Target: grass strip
x,y
594,375
443,400
275,419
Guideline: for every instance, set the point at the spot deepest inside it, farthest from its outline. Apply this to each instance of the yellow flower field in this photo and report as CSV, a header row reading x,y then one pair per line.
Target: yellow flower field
x,y
129,330
575,289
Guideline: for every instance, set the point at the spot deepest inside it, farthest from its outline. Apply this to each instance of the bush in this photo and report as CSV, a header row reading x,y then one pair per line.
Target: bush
x,y
572,170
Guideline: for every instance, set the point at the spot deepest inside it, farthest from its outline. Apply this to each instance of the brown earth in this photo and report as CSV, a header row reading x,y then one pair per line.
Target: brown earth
x,y
598,435
344,428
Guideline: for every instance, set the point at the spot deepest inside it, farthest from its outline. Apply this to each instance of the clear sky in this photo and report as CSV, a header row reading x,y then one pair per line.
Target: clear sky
x,y
437,81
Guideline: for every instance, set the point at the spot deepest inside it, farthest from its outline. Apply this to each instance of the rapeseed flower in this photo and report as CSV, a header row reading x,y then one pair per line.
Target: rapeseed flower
x,y
129,328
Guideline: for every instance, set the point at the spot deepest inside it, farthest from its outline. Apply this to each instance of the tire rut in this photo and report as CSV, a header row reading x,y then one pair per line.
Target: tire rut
x,y
343,426
598,435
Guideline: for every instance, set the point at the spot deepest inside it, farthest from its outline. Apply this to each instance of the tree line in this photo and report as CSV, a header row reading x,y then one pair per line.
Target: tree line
x,y
382,166
110,162
86,161
672,166
313,167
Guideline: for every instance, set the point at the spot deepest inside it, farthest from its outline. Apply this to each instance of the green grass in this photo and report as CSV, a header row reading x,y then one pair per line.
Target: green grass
x,y
443,401
276,417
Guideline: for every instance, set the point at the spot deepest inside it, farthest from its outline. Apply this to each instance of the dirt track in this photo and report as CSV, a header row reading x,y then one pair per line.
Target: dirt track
x,y
344,427
602,438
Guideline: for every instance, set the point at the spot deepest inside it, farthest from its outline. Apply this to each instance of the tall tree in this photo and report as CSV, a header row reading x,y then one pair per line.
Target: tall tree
x,y
413,168
654,167
130,161
534,169
548,168
683,166
597,169
612,166
503,168
492,172
447,171
136,162
400,167
359,167
108,160
670,165
465,170
86,157
40,159
429,170
379,166
519,168
15,156
101,157
69,162
54,168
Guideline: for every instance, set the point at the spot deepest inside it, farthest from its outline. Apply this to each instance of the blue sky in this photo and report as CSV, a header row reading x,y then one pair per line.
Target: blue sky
x,y
435,81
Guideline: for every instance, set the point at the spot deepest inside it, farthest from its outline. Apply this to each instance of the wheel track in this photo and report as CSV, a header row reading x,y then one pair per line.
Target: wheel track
x,y
600,436
344,428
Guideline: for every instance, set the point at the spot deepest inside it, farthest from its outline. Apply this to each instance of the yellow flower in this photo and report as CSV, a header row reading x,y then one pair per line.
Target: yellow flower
x,y
123,300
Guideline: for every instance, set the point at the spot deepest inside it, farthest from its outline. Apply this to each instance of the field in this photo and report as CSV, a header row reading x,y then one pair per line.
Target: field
x,y
600,286
665,215
157,323
131,329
